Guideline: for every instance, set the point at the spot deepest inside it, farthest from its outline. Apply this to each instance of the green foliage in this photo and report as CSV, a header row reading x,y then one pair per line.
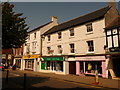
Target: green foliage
x,y
14,27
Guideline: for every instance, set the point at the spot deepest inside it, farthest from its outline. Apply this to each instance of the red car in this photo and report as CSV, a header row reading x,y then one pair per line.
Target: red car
x,y
2,67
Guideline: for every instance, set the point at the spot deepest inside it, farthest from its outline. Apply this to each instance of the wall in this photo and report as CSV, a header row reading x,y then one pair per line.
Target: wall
x,y
80,38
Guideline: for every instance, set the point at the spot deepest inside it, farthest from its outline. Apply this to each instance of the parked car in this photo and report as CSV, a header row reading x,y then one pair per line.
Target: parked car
x,y
2,67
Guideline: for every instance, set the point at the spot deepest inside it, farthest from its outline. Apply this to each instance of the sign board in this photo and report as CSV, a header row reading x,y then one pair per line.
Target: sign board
x,y
31,56
53,58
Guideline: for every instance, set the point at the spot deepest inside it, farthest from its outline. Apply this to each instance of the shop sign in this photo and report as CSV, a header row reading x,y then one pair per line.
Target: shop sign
x,y
3,56
53,58
31,56
90,58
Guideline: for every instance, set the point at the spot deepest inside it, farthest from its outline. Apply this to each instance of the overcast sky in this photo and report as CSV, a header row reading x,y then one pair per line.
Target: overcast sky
x,y
39,13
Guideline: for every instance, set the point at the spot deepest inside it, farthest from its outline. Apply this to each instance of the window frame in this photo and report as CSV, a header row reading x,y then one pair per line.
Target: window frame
x,y
72,48
59,35
89,27
90,45
49,37
72,32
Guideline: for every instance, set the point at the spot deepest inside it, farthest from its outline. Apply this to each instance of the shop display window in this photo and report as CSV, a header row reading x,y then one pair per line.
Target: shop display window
x,y
93,66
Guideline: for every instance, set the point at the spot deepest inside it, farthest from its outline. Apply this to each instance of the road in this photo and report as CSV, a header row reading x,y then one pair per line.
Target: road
x,y
16,80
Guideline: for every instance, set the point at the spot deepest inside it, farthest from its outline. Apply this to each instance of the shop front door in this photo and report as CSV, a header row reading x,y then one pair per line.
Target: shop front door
x,y
116,65
72,67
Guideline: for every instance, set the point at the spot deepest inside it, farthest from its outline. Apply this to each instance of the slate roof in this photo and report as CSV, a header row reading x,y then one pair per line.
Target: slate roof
x,y
114,24
40,27
78,21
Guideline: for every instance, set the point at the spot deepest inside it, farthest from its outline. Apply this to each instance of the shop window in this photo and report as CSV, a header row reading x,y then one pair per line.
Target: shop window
x,y
92,66
89,27
90,46
72,50
48,65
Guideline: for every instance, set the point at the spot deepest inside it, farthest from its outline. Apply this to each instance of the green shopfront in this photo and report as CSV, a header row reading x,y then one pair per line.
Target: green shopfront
x,y
52,64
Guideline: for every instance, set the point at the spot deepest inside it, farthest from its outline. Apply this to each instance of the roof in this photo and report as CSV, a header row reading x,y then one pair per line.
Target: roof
x,y
40,27
7,51
114,24
78,21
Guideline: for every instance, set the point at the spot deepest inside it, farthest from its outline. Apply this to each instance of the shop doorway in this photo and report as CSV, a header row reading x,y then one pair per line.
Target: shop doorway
x,y
116,65
72,68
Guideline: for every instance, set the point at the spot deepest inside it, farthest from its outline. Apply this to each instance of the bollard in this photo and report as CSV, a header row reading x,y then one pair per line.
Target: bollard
x,y
7,76
24,81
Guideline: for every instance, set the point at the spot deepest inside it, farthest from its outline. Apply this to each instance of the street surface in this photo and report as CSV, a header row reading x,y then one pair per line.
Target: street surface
x,y
16,81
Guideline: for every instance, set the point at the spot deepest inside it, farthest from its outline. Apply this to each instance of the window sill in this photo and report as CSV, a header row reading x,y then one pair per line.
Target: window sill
x,y
58,39
48,41
90,52
71,37
88,33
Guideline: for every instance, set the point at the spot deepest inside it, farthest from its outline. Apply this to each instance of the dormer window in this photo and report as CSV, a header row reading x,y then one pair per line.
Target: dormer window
x,y
89,27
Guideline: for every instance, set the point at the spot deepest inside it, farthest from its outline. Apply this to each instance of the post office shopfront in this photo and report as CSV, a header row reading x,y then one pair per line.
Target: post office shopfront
x,y
30,62
53,64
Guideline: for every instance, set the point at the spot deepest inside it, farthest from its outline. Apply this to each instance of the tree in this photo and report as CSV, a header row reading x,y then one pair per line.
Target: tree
x,y
14,27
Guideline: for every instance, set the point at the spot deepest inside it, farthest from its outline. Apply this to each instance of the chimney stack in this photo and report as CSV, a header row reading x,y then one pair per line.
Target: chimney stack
x,y
54,18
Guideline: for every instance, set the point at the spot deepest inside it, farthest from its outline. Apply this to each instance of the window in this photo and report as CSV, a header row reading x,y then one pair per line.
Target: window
x,y
34,35
59,49
59,35
34,46
28,37
49,38
90,46
89,27
28,48
72,32
48,50
72,50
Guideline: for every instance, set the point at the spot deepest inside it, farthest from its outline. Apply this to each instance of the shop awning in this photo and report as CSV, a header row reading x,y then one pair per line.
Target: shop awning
x,y
53,58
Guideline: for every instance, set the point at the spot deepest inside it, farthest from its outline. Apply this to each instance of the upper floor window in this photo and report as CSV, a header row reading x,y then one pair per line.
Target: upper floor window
x,y
72,48
59,35
72,32
48,49
28,48
34,45
28,37
90,46
89,27
34,35
59,49
49,38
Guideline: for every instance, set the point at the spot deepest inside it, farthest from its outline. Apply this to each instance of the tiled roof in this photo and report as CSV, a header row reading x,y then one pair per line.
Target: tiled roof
x,y
114,24
78,21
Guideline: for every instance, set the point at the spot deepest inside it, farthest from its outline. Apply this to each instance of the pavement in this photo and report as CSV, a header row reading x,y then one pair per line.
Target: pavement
x,y
85,80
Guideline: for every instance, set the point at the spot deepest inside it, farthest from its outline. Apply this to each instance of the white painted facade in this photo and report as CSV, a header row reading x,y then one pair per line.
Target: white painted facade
x,y
80,38
34,43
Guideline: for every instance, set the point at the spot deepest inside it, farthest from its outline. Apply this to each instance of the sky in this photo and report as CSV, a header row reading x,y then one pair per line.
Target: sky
x,y
39,13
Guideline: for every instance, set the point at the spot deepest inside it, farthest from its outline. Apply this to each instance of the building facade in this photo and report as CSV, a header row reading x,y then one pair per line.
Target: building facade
x,y
32,47
81,42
